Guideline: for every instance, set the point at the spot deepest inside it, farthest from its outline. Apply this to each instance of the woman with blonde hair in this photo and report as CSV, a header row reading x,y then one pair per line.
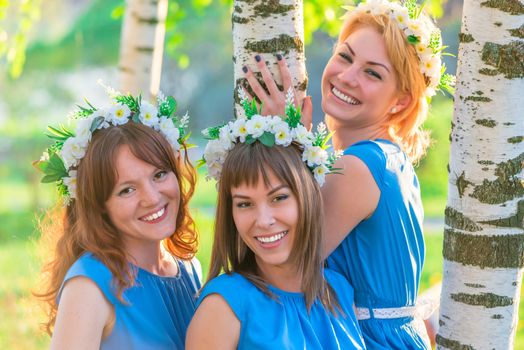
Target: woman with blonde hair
x,y
375,92
267,287
123,273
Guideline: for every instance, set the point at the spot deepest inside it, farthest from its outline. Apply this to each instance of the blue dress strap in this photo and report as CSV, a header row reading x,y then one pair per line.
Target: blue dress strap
x,y
89,266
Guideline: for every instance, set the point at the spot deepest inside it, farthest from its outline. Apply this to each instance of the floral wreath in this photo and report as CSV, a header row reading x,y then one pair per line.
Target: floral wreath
x,y
427,41
60,161
270,131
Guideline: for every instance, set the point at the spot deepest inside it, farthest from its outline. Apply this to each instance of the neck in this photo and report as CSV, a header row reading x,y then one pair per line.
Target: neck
x,y
282,277
346,135
152,257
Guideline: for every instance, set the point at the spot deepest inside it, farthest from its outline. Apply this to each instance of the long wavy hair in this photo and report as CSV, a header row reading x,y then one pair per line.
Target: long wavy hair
x,y
405,126
84,225
248,164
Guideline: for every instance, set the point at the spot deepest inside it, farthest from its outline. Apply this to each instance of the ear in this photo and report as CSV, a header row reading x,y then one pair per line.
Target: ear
x,y
402,102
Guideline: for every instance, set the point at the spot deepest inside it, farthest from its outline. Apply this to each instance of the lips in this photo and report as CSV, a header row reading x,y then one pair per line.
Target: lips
x,y
344,97
155,216
271,238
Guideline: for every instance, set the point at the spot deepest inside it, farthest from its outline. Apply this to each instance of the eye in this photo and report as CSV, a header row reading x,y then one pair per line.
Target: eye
x,y
126,191
373,74
244,204
160,175
346,57
280,197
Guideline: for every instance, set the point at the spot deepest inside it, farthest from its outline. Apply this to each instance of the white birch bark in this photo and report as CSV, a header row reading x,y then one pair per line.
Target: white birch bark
x,y
484,235
268,27
142,46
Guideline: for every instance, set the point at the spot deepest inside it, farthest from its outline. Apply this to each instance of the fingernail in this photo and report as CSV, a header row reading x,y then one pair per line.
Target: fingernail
x,y
257,57
244,69
279,57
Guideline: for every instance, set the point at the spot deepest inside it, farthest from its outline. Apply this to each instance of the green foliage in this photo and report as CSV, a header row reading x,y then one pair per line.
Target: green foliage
x,y
13,41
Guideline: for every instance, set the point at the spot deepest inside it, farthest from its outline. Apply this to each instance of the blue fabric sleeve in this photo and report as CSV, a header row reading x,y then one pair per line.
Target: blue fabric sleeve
x,y
89,266
232,288
373,156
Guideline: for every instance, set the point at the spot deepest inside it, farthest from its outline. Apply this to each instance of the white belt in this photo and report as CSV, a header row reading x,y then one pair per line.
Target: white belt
x,y
422,310
364,313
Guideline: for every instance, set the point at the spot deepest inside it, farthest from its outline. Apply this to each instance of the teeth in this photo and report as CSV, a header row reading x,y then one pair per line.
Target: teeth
x,y
343,97
155,215
272,239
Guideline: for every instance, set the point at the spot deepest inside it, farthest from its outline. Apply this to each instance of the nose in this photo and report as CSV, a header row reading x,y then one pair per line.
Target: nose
x,y
265,217
150,195
349,76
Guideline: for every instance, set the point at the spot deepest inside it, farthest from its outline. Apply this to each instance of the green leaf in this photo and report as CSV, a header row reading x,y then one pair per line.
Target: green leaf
x,y
250,139
136,118
61,133
51,178
96,123
200,163
412,39
267,139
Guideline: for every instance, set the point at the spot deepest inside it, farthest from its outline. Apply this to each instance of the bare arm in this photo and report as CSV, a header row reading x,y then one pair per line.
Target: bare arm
x,y
82,317
348,199
214,326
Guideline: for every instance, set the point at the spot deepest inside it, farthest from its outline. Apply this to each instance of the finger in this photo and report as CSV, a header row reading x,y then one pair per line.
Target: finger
x,y
306,117
266,75
284,72
255,85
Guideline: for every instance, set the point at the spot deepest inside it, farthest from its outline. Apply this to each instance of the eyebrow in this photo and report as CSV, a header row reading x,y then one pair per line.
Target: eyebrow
x,y
241,196
369,62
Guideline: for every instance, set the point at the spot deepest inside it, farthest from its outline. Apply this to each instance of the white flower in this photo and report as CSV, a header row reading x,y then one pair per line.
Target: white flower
x,y
172,135
302,135
320,174
119,114
184,120
314,155
256,126
215,151
148,114
423,52
283,135
44,157
166,125
70,183
83,129
239,129
401,15
242,94
72,151
431,67
226,134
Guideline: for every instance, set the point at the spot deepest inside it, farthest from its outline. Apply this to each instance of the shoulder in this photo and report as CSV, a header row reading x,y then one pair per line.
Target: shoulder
x,y
233,289
82,316
90,268
216,321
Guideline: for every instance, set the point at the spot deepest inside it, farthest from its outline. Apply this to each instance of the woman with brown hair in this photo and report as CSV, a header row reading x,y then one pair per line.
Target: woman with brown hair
x,y
274,292
123,273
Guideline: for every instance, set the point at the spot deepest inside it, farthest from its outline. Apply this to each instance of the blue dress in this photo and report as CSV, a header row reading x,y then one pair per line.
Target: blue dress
x,y
382,257
271,324
159,308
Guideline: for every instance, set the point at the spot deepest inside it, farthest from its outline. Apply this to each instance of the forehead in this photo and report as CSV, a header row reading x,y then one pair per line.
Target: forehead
x,y
367,43
261,185
128,167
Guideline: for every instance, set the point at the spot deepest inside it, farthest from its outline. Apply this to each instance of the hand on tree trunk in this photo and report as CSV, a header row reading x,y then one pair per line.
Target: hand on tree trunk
x,y
271,96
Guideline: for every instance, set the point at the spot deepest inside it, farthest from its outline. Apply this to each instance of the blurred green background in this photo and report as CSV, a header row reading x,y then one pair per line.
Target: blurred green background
x,y
72,44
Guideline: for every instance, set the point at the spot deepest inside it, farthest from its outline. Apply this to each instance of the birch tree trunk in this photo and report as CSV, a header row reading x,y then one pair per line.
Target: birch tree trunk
x,y
484,235
268,27
142,46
